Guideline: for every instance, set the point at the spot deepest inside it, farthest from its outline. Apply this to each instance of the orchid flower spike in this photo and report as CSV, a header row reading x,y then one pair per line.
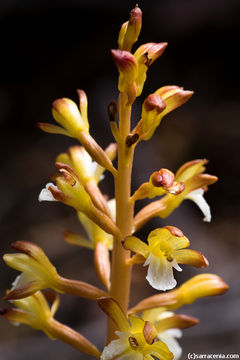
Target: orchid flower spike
x,y
164,251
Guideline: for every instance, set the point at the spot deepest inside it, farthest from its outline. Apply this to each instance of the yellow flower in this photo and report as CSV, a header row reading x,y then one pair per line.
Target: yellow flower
x,y
137,338
157,105
84,166
70,191
34,311
38,273
195,185
74,123
198,286
164,251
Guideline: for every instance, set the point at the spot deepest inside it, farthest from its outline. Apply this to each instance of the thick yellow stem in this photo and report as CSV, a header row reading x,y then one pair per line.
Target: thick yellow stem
x,y
121,272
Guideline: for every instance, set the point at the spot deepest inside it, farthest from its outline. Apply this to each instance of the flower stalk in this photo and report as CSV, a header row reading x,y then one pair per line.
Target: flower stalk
x,y
120,285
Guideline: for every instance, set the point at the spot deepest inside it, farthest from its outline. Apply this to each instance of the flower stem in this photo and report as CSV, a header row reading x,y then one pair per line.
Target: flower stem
x,y
121,272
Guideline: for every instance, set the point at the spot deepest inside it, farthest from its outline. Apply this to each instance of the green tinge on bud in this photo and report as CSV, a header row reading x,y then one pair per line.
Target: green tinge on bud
x,y
130,30
146,55
66,113
128,70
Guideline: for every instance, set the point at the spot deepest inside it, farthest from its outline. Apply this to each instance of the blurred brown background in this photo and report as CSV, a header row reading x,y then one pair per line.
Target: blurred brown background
x,y
50,48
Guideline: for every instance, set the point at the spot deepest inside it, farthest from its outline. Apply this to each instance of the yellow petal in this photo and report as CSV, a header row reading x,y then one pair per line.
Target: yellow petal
x,y
175,322
191,257
190,169
158,349
76,239
136,245
200,286
113,310
53,129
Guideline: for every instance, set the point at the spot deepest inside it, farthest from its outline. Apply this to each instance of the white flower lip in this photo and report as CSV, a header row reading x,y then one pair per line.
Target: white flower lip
x,y
169,338
119,349
160,272
46,195
197,197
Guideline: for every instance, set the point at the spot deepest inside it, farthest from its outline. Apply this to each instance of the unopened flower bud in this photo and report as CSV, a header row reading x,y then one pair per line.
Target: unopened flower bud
x,y
163,178
130,30
83,105
128,70
66,113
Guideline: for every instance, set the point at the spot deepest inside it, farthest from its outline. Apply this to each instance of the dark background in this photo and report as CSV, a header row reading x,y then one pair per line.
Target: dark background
x,y
50,48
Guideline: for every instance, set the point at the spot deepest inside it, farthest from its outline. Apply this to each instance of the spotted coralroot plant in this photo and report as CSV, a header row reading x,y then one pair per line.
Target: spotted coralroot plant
x,y
150,329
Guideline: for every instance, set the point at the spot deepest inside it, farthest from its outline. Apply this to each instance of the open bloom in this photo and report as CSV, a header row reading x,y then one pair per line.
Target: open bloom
x,y
80,160
35,311
164,251
195,181
88,171
70,191
137,339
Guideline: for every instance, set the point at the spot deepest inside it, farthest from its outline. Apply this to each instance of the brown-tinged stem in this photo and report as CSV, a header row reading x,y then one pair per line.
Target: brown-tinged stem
x,y
79,288
71,337
121,272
